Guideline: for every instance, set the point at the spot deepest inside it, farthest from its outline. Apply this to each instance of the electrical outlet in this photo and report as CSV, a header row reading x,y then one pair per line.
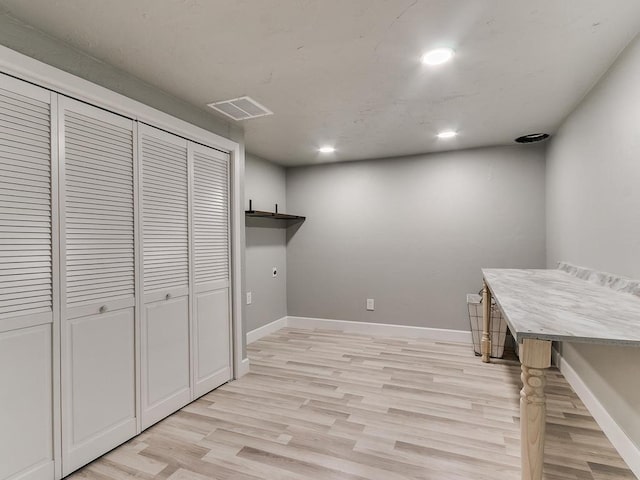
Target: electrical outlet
x,y
248,298
370,304
274,272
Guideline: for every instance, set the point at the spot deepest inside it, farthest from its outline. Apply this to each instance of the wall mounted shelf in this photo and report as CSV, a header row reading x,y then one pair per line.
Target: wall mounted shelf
x,y
272,215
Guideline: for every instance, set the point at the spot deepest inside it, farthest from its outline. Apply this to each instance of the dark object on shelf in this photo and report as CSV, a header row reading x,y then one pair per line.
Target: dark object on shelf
x,y
273,215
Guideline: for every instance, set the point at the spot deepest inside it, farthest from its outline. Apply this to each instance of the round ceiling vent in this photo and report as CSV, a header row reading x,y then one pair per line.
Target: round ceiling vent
x,y
532,137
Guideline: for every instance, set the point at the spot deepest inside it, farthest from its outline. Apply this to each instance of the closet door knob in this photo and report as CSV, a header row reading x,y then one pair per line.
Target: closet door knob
x,y
103,309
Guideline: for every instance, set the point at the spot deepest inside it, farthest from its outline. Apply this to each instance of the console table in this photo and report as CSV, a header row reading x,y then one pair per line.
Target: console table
x,y
541,306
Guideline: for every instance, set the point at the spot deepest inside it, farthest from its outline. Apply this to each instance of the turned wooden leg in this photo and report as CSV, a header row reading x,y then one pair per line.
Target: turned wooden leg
x,y
485,346
535,356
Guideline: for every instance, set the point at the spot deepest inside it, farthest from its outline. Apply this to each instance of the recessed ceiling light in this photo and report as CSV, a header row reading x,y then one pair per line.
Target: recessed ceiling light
x,y
438,56
532,137
327,149
447,134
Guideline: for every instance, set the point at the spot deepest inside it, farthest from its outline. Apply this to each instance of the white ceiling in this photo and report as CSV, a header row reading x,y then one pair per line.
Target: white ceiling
x,y
347,72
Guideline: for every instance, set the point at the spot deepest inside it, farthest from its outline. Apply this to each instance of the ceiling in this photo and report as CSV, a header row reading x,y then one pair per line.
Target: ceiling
x,y
348,72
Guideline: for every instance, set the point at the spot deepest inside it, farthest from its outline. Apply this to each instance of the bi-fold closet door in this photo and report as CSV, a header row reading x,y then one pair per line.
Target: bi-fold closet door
x,y
126,184
210,247
97,257
184,224
114,279
164,213
28,286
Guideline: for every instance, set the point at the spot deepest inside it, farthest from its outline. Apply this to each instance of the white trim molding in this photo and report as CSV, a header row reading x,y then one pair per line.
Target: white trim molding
x,y
237,256
382,329
243,368
265,330
627,449
364,328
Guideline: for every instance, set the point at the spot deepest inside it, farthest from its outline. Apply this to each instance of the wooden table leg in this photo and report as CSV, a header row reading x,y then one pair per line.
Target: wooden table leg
x,y
535,356
485,346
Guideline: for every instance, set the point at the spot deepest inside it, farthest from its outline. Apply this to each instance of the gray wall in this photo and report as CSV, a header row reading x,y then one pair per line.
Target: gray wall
x,y
265,244
412,233
593,218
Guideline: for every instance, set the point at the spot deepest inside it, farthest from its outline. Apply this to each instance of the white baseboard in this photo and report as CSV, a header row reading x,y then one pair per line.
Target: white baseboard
x,y
243,368
627,449
382,329
368,328
265,330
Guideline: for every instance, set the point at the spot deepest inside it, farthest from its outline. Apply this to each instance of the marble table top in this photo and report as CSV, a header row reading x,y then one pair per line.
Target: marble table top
x,y
554,305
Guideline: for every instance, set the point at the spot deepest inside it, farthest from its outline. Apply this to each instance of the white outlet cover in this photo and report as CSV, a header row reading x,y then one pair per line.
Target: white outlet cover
x,y
370,304
248,298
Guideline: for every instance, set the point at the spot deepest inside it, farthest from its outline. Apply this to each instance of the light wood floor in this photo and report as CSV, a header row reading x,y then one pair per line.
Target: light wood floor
x,y
327,405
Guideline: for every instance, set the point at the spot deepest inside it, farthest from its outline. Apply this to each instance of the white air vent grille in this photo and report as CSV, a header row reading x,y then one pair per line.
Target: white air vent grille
x,y
242,108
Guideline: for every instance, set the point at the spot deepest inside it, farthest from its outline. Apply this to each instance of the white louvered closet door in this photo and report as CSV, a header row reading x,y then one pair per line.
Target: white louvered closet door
x,y
165,361
211,264
97,281
28,303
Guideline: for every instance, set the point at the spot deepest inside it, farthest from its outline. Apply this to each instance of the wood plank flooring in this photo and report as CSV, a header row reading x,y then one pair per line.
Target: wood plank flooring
x,y
328,405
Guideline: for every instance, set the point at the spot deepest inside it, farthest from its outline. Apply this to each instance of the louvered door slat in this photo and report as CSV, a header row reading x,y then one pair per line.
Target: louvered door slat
x,y
10,188
22,169
27,202
15,120
87,127
8,242
87,184
35,118
92,124
25,206
84,131
164,210
98,154
32,148
18,107
21,134
175,263
108,267
99,210
22,309
10,280
19,290
159,174
9,158
34,103
13,150
97,171
210,217
162,156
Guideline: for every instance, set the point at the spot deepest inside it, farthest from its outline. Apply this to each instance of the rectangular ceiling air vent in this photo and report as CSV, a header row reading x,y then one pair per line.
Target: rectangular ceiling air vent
x,y
242,108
